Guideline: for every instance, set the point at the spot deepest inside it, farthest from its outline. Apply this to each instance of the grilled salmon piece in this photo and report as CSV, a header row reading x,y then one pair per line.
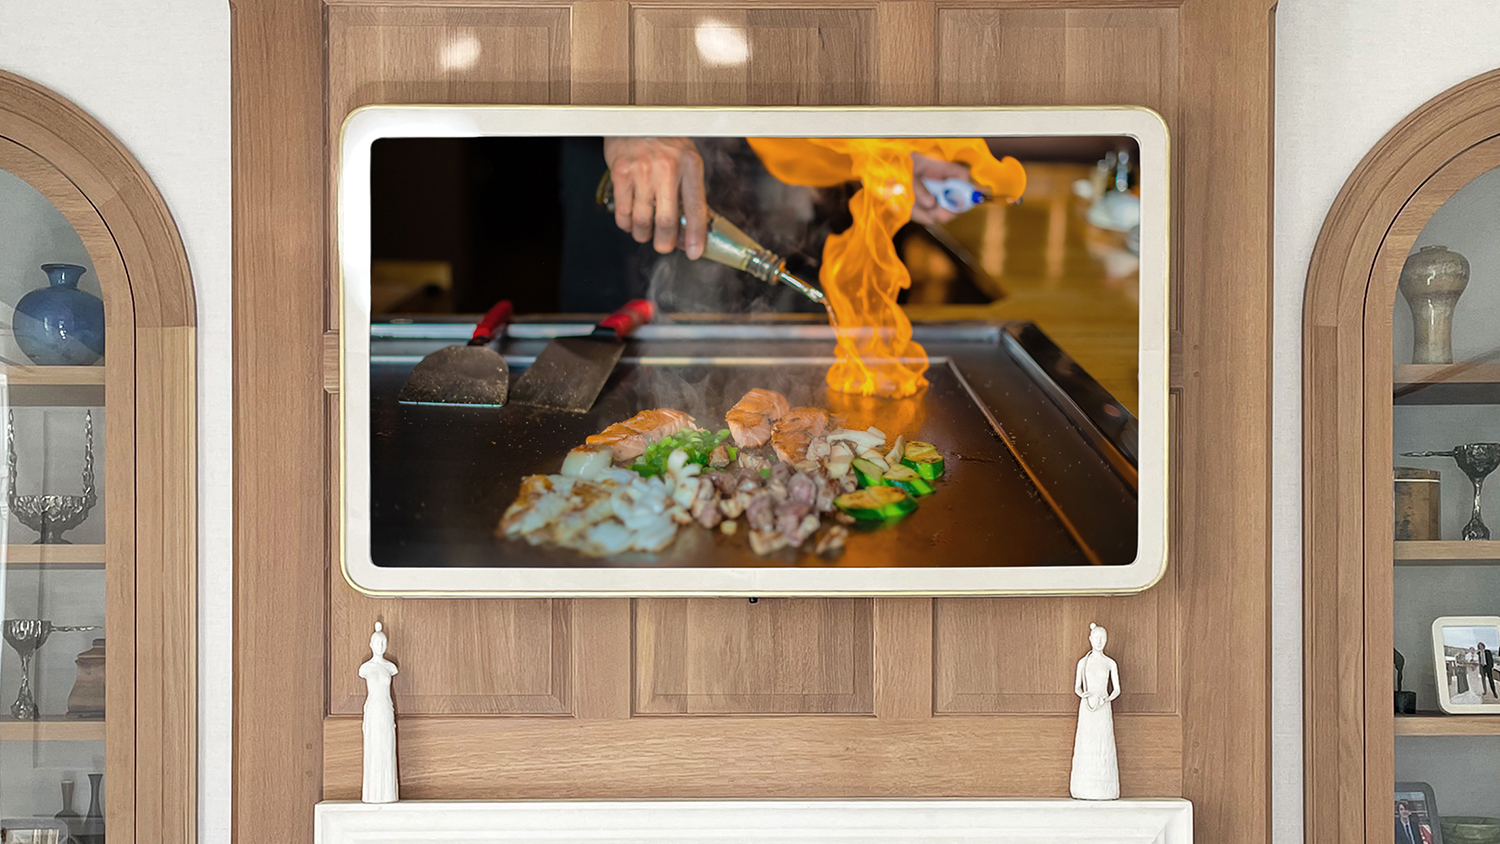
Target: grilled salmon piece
x,y
794,431
751,417
629,439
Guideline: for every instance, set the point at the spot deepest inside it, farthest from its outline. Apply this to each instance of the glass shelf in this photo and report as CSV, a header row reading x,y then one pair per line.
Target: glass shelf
x,y
64,583
1476,552
1437,407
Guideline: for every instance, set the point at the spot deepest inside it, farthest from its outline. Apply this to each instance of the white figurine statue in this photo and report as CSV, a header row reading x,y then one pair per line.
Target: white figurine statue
x,y
381,784
1096,769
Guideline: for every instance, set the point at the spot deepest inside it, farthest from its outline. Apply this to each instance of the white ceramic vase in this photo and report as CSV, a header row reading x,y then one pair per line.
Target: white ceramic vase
x,y
1432,280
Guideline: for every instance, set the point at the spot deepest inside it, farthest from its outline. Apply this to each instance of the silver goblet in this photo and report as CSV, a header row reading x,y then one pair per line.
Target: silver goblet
x,y
1477,460
26,636
51,515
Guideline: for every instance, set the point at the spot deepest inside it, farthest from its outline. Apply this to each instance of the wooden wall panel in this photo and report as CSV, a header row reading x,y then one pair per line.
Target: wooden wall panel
x,y
998,657
1045,57
412,54
457,657
712,56
871,673
722,656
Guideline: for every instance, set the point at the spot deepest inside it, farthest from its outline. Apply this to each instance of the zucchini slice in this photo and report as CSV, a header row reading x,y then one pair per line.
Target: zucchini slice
x,y
924,459
907,478
868,473
876,504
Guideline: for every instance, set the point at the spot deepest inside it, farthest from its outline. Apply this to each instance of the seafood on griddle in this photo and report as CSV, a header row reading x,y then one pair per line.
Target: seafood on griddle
x,y
793,475
751,418
795,431
630,438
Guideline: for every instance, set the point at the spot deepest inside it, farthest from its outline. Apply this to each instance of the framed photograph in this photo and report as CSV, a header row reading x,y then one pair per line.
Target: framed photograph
x,y
774,368
33,831
1463,650
1416,817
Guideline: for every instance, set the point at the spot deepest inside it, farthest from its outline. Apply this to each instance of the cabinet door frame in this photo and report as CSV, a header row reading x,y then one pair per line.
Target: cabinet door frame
x,y
150,407
1347,380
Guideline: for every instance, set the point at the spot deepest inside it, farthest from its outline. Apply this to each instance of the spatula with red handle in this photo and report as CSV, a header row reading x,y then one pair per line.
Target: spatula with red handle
x,y
473,374
571,372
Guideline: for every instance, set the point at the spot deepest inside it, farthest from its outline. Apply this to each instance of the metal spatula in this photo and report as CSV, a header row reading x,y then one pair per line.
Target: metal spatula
x,y
570,372
472,374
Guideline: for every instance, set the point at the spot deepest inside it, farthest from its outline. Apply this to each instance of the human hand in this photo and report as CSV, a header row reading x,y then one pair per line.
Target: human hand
x,y
925,209
658,182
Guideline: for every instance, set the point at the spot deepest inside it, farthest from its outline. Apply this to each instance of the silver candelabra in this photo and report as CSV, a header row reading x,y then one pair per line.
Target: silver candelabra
x,y
51,515
26,636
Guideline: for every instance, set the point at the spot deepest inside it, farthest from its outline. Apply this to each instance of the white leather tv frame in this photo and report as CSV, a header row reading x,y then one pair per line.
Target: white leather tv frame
x,y
371,123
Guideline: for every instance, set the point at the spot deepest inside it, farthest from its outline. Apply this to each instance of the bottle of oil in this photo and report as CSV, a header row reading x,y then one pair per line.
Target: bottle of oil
x,y
727,245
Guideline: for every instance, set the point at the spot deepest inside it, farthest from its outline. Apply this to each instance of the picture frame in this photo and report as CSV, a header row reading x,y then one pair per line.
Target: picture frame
x,y
33,831
1466,664
1421,814
369,124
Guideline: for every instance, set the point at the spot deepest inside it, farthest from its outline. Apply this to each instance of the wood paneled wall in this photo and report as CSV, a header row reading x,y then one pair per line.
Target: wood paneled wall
x,y
807,697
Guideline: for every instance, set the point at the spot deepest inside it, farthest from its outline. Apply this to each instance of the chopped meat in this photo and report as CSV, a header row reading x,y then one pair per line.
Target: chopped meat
x,y
794,432
766,541
832,540
705,506
719,457
760,511
732,507
751,417
629,439
753,461
724,482
802,488
827,492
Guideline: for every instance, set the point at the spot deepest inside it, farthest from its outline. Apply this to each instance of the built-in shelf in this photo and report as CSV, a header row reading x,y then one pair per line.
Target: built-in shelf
x,y
52,730
54,556
1448,725
1479,552
55,386
1476,383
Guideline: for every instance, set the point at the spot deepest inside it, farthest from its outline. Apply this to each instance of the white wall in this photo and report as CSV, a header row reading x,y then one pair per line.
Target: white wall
x,y
1346,72
156,73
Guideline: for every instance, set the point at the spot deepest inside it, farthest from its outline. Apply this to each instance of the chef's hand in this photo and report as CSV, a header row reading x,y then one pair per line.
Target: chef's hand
x,y
926,209
658,181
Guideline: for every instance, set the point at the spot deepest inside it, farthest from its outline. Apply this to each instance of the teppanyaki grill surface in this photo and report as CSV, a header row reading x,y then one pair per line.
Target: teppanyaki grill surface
x,y
1049,490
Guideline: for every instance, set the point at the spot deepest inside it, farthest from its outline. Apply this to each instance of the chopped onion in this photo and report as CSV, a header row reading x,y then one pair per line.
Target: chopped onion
x,y
897,451
861,439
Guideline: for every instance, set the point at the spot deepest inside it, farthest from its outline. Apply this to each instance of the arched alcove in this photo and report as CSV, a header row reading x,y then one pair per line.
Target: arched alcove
x,y
149,560
1348,544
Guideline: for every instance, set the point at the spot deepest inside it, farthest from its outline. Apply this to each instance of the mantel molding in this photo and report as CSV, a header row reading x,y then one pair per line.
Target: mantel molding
x,y
1166,821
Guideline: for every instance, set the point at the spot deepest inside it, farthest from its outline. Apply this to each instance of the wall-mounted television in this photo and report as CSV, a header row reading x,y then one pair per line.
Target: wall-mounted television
x,y
881,351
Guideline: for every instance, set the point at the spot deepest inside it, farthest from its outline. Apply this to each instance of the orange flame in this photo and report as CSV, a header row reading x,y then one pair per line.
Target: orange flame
x,y
861,272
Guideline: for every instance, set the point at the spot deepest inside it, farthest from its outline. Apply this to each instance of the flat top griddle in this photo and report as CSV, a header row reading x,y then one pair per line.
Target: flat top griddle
x,y
1035,476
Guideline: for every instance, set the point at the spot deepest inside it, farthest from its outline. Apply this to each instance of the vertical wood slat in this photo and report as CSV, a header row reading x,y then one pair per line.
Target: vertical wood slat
x,y
602,658
903,657
166,618
1225,128
601,69
280,565
906,52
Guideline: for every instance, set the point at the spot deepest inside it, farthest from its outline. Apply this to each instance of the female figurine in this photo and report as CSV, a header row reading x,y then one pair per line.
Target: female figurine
x,y
381,784
1096,770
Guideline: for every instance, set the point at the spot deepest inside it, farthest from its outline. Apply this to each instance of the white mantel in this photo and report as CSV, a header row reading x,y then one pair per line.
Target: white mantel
x,y
757,822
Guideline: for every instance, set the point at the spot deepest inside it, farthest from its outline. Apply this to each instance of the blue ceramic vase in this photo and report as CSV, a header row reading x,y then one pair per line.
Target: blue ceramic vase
x,y
60,325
